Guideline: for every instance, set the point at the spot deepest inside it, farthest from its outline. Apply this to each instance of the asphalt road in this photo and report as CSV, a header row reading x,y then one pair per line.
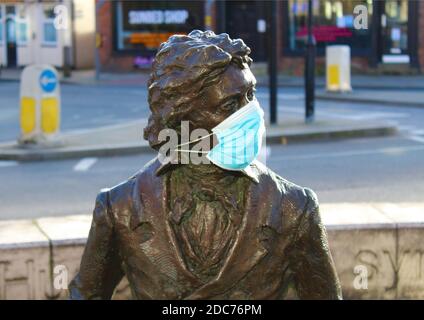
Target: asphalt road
x,y
82,107
93,106
360,170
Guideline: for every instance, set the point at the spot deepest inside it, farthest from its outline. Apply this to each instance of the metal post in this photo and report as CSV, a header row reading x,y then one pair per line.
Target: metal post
x,y
99,4
310,69
67,53
221,17
273,63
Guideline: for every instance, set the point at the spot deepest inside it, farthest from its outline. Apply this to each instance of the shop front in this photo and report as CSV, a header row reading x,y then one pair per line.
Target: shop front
x,y
141,26
131,31
28,34
42,31
389,35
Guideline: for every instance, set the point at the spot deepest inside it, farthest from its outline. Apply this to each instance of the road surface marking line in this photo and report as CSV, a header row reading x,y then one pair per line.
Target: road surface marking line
x,y
416,138
388,151
4,164
418,132
85,164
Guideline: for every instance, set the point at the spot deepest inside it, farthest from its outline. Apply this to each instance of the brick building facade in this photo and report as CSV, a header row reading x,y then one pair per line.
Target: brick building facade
x,y
29,33
393,41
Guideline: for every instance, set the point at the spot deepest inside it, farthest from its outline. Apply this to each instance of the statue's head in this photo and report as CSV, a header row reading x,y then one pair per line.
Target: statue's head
x,y
201,78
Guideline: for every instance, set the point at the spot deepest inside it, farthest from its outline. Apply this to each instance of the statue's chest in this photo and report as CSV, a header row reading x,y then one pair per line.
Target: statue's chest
x,y
205,220
205,236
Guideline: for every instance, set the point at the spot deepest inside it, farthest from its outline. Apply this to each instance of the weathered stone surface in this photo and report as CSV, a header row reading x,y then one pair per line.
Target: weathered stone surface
x,y
410,263
20,233
383,239
403,213
66,230
346,215
24,261
371,251
68,236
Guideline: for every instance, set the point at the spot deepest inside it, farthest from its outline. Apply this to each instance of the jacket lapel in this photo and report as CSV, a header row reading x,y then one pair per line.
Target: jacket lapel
x,y
161,249
247,250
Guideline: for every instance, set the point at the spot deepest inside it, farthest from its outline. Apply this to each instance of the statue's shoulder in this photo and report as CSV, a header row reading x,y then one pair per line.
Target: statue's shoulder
x,y
292,195
126,192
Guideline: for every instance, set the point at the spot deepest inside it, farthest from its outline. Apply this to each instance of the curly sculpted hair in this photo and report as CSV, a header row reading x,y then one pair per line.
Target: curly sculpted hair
x,y
182,68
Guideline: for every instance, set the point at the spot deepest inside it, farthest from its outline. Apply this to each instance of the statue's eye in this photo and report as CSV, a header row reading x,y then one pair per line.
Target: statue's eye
x,y
250,95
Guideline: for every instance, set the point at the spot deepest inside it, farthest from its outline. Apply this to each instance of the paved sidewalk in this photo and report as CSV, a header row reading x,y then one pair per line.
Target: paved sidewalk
x,y
372,82
398,98
127,138
407,91
87,77
140,77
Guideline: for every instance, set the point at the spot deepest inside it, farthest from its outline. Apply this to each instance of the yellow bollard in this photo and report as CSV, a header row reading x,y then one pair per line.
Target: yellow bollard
x,y
39,104
49,115
337,59
28,115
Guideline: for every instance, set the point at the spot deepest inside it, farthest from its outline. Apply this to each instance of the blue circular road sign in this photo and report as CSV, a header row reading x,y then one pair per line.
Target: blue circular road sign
x,y
48,81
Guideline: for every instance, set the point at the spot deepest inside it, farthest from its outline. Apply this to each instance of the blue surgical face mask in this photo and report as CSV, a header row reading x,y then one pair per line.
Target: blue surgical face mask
x,y
239,138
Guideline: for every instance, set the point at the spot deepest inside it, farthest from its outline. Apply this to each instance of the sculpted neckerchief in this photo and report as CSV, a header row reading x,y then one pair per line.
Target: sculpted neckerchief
x,y
206,210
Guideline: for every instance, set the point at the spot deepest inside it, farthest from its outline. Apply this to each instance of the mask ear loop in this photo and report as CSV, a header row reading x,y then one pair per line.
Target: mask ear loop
x,y
189,142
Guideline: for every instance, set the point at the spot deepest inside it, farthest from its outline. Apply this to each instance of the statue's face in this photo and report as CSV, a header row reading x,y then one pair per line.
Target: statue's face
x,y
234,90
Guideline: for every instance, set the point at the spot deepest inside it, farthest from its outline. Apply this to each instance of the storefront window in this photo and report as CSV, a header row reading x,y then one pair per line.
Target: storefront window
x,y
21,25
1,23
49,30
395,27
141,26
11,31
333,24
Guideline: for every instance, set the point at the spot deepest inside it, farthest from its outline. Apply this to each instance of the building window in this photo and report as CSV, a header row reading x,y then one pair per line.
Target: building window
x,y
48,27
21,26
141,26
1,24
333,24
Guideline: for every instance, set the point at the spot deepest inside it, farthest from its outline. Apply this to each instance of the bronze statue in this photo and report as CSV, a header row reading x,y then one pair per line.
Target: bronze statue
x,y
197,231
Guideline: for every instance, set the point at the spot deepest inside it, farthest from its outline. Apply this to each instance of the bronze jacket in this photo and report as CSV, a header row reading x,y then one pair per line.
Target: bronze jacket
x,y
281,245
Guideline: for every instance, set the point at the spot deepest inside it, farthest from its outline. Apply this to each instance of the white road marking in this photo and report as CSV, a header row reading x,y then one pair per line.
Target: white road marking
x,y
85,164
406,128
414,134
416,139
4,164
389,151
418,132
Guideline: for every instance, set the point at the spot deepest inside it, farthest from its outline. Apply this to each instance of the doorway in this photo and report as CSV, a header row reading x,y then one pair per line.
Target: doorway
x,y
11,36
247,20
396,30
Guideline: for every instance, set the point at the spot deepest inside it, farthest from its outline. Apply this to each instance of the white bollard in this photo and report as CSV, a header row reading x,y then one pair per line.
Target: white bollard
x,y
338,68
39,104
